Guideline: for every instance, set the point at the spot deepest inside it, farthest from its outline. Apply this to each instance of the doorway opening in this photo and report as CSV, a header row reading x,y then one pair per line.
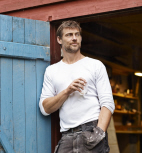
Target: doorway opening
x,y
116,39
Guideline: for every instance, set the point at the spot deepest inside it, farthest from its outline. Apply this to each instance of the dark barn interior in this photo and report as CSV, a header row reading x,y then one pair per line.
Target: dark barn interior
x,y
116,40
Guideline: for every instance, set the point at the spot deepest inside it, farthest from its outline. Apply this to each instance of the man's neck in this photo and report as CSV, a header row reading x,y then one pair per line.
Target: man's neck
x,y
71,58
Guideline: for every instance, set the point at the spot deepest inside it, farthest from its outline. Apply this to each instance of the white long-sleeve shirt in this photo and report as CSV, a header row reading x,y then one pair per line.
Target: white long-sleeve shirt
x,y
78,109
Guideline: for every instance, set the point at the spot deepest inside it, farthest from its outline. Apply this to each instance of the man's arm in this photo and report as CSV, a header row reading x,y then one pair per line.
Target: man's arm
x,y
104,118
52,104
105,97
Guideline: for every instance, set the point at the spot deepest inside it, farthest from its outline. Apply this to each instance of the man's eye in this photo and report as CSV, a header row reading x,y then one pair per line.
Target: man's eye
x,y
78,34
68,35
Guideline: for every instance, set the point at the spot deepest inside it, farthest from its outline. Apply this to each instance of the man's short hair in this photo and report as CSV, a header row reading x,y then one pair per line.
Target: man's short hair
x,y
67,24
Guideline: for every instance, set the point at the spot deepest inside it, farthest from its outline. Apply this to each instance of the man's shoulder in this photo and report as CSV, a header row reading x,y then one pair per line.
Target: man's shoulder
x,y
53,67
94,61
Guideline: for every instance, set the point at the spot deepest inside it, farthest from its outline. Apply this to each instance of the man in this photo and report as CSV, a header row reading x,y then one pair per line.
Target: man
x,y
84,116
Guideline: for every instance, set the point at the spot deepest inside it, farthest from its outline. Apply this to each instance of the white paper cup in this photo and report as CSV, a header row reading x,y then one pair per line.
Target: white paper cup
x,y
84,91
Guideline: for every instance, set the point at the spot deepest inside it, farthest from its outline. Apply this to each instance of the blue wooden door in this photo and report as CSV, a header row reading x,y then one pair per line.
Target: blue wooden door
x,y
24,55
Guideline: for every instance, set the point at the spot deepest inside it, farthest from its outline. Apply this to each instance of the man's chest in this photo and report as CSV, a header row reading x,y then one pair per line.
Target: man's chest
x,y
64,77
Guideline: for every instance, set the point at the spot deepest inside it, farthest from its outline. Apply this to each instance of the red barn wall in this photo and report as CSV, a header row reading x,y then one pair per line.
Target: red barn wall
x,y
62,9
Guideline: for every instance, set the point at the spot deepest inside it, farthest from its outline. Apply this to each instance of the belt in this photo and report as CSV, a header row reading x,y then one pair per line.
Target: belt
x,y
81,127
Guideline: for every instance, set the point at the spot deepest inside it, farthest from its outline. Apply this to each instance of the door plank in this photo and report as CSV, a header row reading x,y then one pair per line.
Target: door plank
x,y
5,28
6,98
19,106
42,33
5,142
30,106
112,139
43,123
18,30
30,31
0,27
26,51
1,149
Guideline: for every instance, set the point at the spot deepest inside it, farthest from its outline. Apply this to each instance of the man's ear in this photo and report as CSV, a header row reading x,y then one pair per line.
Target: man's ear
x,y
59,40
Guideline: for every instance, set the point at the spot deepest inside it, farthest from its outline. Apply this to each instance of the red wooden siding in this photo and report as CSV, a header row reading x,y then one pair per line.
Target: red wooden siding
x,y
70,9
8,5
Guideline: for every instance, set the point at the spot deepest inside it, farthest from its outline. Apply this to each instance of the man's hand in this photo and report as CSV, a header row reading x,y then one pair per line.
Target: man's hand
x,y
91,139
76,85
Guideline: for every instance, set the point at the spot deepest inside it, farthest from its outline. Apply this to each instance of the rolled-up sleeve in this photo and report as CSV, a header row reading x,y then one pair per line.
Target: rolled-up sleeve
x,y
47,90
104,89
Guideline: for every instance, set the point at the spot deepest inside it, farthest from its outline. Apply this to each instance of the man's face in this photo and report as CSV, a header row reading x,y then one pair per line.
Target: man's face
x,y
71,40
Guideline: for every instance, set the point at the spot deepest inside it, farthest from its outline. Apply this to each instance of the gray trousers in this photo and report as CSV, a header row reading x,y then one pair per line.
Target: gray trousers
x,y
74,143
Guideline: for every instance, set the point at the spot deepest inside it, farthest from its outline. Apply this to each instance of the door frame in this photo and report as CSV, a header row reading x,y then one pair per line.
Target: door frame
x,y
56,55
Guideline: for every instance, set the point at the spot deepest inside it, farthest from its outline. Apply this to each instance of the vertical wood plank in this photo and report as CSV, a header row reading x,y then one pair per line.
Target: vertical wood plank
x,y
30,29
18,106
5,28
112,139
6,98
42,33
1,149
43,123
6,145
0,27
18,30
30,104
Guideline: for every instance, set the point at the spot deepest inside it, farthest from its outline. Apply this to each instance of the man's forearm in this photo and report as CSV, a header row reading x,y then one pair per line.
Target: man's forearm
x,y
104,118
54,103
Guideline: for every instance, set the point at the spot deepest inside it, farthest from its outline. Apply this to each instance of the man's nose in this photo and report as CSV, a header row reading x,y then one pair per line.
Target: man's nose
x,y
74,37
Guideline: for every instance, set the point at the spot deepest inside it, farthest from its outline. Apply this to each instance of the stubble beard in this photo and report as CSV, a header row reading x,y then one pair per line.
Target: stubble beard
x,y
70,49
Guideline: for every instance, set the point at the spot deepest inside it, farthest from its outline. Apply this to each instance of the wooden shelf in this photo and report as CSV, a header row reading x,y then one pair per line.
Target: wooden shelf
x,y
124,112
128,129
129,132
123,96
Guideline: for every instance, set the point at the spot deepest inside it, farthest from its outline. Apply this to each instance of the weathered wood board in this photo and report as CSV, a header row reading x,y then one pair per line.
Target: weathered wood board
x,y
24,56
112,139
